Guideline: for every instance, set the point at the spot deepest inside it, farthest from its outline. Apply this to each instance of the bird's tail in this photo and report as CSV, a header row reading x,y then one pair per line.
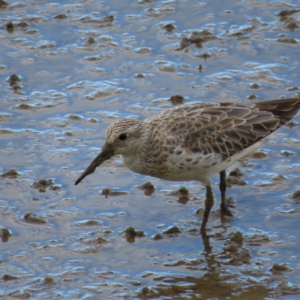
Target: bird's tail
x,y
284,109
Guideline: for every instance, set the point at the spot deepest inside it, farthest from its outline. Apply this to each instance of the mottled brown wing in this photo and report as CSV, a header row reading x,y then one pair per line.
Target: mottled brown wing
x,y
228,128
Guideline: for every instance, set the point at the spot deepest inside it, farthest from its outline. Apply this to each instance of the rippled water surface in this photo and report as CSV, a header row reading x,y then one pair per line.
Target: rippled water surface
x,y
68,69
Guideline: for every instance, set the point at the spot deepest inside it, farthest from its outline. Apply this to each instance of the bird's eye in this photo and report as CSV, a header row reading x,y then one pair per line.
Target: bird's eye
x,y
122,136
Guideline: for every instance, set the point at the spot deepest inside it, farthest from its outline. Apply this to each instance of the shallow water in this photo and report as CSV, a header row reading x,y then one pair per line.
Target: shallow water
x,y
80,66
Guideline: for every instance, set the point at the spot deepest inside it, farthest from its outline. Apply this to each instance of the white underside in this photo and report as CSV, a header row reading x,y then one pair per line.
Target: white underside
x,y
208,165
179,169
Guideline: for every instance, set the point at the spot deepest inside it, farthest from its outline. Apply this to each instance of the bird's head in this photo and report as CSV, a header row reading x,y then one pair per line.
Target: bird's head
x,y
122,137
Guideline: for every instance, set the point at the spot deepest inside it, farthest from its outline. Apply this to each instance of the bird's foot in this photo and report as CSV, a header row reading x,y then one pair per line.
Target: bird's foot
x,y
225,211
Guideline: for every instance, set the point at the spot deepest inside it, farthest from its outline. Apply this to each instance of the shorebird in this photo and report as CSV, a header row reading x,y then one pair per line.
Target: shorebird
x,y
195,141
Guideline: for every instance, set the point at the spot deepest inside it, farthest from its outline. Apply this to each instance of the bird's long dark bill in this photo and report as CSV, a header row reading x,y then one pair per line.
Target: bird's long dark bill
x,y
106,153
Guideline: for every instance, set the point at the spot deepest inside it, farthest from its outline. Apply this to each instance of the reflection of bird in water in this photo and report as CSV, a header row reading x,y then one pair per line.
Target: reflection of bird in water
x,y
195,141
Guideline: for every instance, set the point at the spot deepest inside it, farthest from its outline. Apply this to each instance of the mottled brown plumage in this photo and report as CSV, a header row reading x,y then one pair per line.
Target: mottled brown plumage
x,y
195,141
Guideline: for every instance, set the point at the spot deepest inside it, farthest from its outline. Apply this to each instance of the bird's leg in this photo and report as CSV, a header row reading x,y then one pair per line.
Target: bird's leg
x,y
209,203
224,206
206,243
